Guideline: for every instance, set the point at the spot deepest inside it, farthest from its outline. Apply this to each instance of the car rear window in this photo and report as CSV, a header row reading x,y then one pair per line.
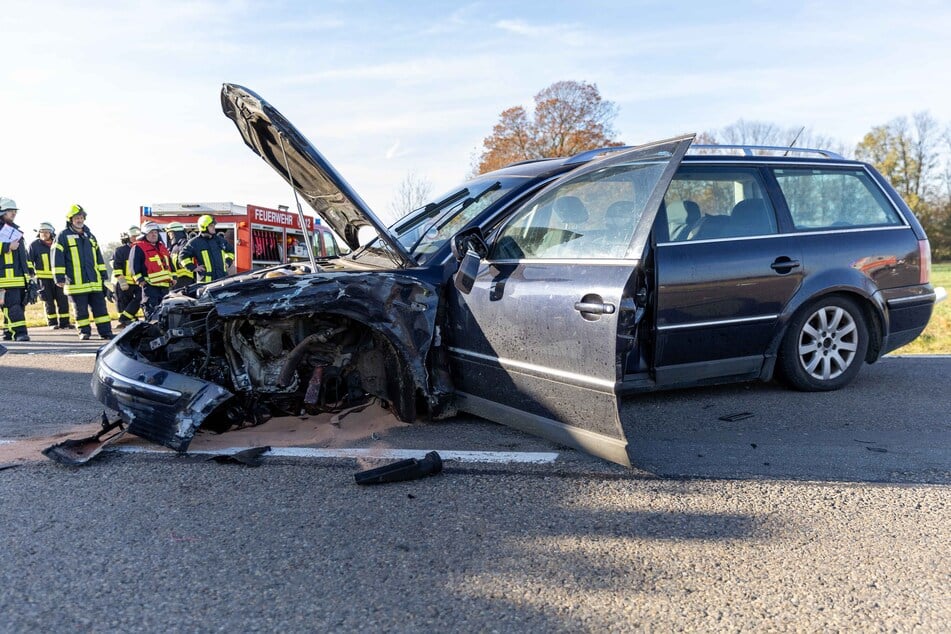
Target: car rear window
x,y
834,199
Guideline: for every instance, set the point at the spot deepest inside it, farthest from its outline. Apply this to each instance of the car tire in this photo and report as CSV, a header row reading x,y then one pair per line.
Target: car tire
x,y
825,345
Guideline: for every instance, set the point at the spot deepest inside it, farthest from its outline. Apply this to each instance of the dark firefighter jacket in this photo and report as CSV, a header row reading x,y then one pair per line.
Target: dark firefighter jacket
x,y
151,263
120,261
41,259
178,242
77,261
211,252
14,266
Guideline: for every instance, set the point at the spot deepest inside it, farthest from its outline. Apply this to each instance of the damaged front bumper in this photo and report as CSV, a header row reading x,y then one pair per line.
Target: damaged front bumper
x,y
158,405
246,350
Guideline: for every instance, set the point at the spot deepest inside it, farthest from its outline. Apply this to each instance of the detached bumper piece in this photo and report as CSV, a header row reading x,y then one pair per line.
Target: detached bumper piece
x,y
158,405
80,451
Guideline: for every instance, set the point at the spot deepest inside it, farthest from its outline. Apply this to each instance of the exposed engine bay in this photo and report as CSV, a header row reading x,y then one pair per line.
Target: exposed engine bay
x,y
286,345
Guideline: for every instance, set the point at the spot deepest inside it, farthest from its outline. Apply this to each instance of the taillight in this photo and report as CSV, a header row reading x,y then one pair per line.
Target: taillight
x,y
924,262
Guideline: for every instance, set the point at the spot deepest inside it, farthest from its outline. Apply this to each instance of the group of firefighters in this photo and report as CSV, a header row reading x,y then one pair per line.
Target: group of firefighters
x,y
69,267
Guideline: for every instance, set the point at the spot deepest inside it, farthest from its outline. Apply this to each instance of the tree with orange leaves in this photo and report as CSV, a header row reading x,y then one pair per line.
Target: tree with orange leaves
x,y
569,117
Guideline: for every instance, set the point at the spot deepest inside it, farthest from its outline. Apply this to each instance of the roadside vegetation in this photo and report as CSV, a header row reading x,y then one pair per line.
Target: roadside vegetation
x,y
936,339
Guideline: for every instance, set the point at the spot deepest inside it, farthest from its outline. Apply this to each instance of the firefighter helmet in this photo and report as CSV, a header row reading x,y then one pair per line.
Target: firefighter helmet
x,y
45,226
7,204
175,226
133,231
74,210
150,226
205,221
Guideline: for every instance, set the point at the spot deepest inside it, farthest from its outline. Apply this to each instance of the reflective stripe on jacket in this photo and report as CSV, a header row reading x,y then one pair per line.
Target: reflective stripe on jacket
x,y
120,261
178,268
14,267
40,259
151,263
211,252
77,261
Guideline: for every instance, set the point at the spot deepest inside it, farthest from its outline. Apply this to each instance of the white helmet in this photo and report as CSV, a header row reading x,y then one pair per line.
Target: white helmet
x,y
45,226
150,226
7,204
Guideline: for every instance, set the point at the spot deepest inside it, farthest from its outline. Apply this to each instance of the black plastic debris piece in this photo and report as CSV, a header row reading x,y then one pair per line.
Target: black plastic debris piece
x,y
75,452
732,418
248,457
410,469
877,449
9,465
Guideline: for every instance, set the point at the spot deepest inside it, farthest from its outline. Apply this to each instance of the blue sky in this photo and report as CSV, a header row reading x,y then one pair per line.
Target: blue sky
x,y
115,105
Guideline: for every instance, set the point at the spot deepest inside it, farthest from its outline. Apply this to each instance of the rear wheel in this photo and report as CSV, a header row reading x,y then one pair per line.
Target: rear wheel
x,y
825,345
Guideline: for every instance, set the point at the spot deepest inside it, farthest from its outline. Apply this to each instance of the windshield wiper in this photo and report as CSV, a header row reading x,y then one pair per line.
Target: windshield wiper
x,y
459,195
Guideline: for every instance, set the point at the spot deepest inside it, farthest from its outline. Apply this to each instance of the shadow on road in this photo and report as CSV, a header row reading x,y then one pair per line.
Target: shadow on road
x,y
891,425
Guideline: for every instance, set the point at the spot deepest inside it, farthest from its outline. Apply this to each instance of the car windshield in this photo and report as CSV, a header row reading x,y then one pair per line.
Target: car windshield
x,y
425,230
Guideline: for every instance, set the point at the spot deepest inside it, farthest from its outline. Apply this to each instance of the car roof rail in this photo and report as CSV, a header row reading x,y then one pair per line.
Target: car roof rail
x,y
526,162
587,155
750,150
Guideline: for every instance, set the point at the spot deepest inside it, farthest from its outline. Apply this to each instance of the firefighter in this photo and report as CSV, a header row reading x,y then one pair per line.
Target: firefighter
x,y
128,296
151,266
15,279
79,268
175,232
207,255
57,306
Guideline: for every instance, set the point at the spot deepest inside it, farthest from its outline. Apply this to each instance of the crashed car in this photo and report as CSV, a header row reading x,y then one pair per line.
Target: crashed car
x,y
539,294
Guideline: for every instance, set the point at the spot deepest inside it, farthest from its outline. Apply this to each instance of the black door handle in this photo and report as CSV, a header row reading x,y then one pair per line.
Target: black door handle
x,y
784,264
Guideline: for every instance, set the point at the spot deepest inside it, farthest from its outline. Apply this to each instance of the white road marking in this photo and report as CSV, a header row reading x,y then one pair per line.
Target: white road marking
x,y
6,442
498,457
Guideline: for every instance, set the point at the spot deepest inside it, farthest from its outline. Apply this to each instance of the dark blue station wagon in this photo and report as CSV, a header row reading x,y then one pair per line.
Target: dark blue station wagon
x,y
538,295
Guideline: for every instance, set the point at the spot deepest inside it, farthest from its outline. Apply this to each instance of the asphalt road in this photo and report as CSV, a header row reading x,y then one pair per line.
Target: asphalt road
x,y
815,512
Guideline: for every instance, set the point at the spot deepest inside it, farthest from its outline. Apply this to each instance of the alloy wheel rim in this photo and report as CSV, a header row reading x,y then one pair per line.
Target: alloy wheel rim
x,y
827,343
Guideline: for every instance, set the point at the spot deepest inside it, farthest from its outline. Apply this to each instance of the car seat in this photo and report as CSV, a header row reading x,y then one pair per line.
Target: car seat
x,y
690,221
571,216
751,217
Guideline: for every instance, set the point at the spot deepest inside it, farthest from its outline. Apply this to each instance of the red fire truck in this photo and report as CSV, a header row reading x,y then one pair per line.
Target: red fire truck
x,y
260,236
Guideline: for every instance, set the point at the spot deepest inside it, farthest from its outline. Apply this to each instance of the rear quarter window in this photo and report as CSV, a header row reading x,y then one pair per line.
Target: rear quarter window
x,y
834,199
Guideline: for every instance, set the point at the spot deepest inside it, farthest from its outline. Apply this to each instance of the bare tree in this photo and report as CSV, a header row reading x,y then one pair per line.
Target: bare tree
x,y
569,117
744,132
413,192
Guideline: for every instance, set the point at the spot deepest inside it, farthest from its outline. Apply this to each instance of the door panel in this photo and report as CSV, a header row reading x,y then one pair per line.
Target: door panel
x,y
518,340
718,304
534,344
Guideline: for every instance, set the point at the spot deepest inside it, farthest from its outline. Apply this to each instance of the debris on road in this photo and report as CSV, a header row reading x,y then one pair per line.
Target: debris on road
x,y
410,469
248,457
77,452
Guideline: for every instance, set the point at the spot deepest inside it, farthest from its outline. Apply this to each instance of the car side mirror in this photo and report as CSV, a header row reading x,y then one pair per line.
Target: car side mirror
x,y
469,240
468,270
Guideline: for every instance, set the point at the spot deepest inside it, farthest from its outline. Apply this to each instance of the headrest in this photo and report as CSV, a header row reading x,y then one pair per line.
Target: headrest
x,y
620,209
570,210
751,215
749,208
693,211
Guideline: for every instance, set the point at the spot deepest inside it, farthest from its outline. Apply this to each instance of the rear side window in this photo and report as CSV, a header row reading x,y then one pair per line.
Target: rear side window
x,y
707,203
834,199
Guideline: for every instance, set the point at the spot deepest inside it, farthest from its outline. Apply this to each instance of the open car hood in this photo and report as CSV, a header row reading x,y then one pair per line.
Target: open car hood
x,y
274,139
